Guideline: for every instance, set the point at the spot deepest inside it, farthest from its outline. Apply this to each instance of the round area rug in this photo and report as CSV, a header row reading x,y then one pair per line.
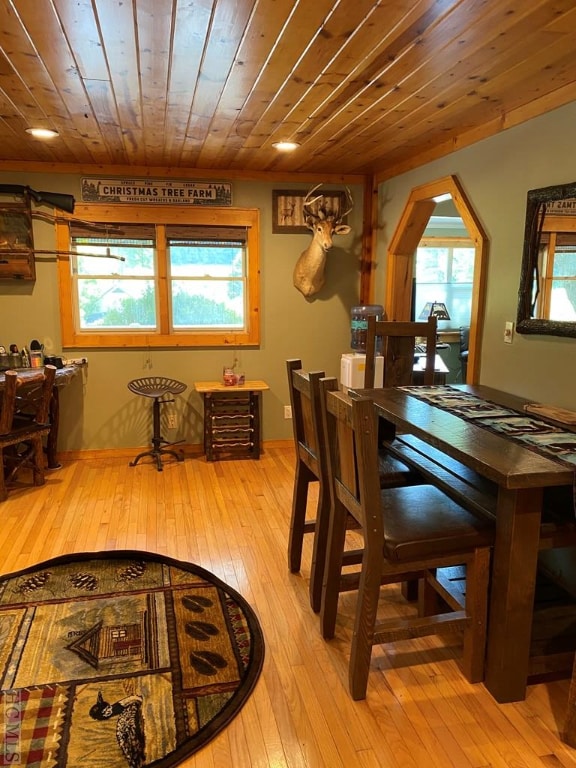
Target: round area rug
x,y
120,659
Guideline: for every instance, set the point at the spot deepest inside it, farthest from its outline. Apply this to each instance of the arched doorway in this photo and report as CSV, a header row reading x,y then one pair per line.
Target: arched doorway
x,y
400,262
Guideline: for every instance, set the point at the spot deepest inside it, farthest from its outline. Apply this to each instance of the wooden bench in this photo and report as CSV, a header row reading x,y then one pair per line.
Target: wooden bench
x,y
458,481
553,641
477,493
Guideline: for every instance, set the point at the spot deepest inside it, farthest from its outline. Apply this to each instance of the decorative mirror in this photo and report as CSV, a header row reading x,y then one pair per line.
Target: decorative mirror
x,y
547,295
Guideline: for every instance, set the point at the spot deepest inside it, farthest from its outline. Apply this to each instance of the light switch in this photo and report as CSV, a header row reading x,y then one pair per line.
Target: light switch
x,y
508,332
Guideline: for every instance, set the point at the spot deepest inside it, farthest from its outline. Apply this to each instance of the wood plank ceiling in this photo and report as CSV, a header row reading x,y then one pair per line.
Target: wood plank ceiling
x,y
366,86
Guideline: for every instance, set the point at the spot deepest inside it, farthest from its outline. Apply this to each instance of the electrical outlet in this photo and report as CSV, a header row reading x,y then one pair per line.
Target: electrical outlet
x,y
287,411
172,424
508,332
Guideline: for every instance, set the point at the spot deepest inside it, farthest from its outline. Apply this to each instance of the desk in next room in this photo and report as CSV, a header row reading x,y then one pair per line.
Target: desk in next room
x,y
520,475
440,370
231,419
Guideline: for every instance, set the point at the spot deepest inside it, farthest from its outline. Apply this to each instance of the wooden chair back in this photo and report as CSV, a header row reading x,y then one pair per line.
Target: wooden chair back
x,y
24,421
8,401
33,394
345,472
311,463
304,400
26,397
396,342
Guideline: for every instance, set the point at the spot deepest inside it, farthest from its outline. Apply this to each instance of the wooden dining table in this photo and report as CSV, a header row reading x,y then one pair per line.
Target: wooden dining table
x,y
520,475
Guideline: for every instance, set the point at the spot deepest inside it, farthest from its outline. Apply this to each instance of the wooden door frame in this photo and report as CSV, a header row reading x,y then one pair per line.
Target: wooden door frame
x,y
402,249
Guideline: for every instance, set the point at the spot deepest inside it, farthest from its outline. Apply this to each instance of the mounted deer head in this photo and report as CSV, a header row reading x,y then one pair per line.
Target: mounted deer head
x,y
324,223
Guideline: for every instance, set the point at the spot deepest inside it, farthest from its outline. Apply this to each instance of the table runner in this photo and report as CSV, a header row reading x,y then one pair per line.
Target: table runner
x,y
532,433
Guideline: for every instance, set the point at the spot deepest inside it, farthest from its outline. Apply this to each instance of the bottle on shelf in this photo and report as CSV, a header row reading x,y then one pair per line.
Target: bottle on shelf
x,y
359,324
36,354
15,357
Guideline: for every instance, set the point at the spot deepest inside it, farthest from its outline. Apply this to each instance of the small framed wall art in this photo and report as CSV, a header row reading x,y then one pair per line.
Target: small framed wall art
x,y
288,215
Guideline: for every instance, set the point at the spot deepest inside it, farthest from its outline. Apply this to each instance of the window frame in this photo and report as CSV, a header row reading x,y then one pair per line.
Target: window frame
x,y
450,243
546,259
163,215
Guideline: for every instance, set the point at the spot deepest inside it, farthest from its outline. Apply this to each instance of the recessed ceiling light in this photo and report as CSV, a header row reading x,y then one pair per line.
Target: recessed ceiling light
x,y
286,146
42,133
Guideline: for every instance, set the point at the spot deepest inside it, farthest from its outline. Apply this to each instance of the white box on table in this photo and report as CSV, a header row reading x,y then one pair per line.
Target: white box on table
x,y
353,367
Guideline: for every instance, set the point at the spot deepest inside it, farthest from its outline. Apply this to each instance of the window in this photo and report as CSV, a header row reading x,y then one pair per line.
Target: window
x,y
556,299
207,277
445,272
143,277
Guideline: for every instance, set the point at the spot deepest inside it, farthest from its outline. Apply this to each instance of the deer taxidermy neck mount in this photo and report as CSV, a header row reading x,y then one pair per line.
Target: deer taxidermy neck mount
x,y
324,223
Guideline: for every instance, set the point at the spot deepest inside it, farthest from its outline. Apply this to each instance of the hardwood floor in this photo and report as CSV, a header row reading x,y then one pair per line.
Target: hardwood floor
x,y
232,518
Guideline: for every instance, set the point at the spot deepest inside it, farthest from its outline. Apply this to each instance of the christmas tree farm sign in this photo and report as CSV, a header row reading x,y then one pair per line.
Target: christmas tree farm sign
x,y
163,192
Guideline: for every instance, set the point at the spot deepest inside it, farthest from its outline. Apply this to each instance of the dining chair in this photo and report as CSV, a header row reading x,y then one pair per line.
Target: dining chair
x,y
311,467
408,532
24,422
396,342
309,448
463,353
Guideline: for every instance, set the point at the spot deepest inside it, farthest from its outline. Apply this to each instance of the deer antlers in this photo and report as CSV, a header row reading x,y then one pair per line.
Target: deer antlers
x,y
324,223
321,211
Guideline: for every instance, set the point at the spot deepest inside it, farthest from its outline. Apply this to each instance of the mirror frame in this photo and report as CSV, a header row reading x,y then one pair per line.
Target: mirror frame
x,y
525,323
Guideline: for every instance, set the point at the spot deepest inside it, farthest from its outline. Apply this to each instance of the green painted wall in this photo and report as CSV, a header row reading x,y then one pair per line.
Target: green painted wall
x,y
98,411
496,174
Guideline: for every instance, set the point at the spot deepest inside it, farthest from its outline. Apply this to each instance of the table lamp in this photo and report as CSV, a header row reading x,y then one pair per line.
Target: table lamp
x,y
435,309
